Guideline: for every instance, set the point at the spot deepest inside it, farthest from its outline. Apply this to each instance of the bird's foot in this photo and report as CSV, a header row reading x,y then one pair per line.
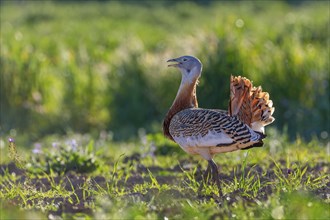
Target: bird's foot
x,y
211,176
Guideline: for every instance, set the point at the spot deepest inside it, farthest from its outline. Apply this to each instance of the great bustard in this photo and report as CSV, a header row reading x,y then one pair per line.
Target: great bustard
x,y
207,132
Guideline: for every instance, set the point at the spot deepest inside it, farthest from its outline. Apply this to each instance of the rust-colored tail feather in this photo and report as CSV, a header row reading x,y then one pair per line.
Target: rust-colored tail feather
x,y
250,104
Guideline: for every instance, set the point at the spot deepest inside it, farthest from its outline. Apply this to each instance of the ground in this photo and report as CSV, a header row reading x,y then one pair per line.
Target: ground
x,y
163,182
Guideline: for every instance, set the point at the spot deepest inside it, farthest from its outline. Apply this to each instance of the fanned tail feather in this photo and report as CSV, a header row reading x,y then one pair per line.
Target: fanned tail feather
x,y
250,104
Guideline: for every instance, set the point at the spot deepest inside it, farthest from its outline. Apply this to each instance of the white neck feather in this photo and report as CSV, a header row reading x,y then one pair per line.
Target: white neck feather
x,y
189,77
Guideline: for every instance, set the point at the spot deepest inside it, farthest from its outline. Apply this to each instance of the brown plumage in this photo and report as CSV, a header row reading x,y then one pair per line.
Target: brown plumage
x,y
250,104
184,100
207,132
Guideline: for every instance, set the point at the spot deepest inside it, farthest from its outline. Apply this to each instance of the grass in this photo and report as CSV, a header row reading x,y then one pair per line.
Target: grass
x,y
273,182
84,87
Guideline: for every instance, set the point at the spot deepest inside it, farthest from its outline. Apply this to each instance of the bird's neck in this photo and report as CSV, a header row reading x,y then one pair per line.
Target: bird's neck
x,y
185,98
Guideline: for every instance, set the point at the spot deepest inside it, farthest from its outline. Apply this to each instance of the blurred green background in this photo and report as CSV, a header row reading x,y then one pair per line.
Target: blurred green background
x,y
101,65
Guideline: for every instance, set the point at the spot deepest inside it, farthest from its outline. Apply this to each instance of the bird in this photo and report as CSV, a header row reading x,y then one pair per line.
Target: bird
x,y
207,132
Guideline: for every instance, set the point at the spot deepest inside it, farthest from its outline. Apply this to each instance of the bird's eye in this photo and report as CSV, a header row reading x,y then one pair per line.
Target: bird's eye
x,y
184,59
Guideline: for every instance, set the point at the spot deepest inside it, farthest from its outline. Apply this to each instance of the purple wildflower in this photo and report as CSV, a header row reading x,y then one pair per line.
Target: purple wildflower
x,y
55,145
11,140
74,145
37,149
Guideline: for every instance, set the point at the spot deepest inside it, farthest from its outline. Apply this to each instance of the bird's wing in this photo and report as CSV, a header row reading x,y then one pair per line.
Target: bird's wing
x,y
207,128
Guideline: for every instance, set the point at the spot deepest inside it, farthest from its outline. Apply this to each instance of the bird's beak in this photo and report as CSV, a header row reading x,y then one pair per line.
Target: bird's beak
x,y
174,64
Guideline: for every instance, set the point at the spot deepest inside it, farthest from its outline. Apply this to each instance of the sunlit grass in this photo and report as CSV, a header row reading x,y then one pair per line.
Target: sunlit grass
x,y
259,183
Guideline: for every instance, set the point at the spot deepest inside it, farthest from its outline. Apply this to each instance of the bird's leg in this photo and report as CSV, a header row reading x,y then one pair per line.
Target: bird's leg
x,y
207,174
215,175
205,177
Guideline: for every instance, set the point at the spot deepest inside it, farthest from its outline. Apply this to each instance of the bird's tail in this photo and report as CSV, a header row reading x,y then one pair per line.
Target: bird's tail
x,y
250,104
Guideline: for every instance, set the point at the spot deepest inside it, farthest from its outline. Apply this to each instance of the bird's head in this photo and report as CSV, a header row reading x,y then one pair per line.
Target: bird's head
x,y
190,67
